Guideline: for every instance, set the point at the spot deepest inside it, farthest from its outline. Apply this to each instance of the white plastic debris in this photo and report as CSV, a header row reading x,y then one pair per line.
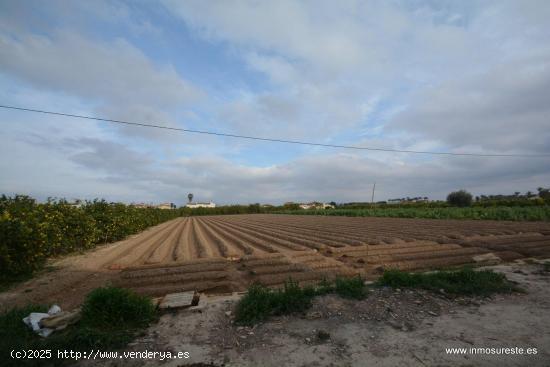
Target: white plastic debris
x,y
54,310
34,318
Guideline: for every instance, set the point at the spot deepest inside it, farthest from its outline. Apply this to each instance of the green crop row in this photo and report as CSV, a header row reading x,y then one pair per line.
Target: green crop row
x,y
531,213
30,232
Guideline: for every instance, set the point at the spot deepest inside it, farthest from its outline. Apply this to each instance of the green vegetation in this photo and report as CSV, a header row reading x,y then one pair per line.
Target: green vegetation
x,y
31,232
531,213
111,318
261,302
109,306
459,198
465,281
350,287
227,209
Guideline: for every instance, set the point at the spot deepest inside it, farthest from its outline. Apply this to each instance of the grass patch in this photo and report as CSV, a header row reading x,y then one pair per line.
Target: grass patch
x,y
111,318
350,287
465,281
261,302
110,307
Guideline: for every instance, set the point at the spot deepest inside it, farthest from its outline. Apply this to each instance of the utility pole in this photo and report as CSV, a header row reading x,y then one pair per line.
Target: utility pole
x,y
372,202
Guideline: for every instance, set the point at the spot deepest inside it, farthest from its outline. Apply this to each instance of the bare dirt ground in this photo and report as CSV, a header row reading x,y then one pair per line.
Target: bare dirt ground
x,y
223,254
388,328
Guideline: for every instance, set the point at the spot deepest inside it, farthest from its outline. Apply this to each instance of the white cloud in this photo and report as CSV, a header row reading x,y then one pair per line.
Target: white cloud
x,y
409,75
504,110
115,72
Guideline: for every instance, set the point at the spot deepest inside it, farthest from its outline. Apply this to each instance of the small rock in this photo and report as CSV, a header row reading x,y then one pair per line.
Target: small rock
x,y
308,340
432,313
228,313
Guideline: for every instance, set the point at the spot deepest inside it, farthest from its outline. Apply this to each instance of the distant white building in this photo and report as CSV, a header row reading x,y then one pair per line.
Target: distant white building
x,y
141,205
316,205
200,205
395,201
166,206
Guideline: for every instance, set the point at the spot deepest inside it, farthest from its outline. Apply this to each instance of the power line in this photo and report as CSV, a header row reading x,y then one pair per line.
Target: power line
x,y
271,139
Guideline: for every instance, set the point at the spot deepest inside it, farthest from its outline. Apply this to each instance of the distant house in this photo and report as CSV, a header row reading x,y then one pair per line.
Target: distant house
x,y
316,205
159,206
76,203
395,201
166,206
141,205
200,205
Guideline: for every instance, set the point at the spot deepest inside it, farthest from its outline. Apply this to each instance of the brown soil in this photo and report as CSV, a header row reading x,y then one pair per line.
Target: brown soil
x,y
216,254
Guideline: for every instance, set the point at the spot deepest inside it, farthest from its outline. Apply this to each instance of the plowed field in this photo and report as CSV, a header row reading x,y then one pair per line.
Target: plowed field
x,y
227,253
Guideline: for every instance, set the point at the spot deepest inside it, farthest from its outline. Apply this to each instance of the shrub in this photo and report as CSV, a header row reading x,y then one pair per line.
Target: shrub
x,y
255,306
31,232
465,281
112,307
291,298
460,198
261,302
350,287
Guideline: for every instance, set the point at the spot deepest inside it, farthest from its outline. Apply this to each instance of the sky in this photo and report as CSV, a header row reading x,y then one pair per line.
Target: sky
x,y
446,76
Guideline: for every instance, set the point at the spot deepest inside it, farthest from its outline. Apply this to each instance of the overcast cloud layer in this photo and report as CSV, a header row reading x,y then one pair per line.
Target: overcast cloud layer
x,y
418,75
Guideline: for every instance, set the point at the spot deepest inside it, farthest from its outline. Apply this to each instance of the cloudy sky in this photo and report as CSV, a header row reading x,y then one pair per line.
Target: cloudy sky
x,y
453,76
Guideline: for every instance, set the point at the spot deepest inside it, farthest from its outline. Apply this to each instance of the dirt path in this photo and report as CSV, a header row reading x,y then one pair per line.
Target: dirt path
x,y
389,328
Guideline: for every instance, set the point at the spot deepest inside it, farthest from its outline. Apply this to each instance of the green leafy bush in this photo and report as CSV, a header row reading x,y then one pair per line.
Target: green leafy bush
x,y
112,307
350,287
30,232
261,302
465,281
459,198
